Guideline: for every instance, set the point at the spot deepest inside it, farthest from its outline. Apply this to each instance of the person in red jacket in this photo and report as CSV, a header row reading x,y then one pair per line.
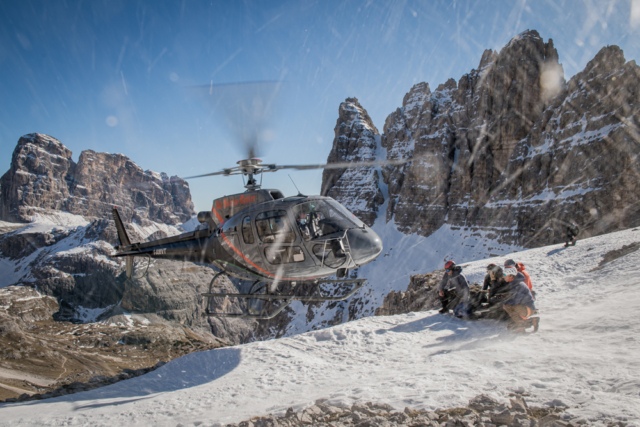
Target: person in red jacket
x,y
527,278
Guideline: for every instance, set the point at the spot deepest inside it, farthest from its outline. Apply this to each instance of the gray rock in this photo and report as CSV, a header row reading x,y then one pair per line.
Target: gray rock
x,y
399,417
482,403
523,421
269,421
376,421
421,295
504,417
362,408
549,420
304,417
519,405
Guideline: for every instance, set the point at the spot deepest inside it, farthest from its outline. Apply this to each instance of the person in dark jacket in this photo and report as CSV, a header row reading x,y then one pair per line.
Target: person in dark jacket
x,y
489,279
519,304
572,232
453,286
495,283
497,289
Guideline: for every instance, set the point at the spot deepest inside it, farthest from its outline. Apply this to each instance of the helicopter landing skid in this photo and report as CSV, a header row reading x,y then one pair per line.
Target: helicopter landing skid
x,y
286,299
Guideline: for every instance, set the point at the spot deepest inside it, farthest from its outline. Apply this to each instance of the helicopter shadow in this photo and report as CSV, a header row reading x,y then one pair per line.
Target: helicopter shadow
x,y
188,371
465,334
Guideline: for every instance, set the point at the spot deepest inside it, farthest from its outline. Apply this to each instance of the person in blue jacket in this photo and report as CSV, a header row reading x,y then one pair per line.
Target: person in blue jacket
x,y
519,304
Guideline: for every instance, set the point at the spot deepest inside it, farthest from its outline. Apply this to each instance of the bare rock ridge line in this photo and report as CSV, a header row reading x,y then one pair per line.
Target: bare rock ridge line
x,y
43,178
511,148
482,411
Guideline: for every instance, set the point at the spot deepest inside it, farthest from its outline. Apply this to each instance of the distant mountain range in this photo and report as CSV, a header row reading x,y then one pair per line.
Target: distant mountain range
x,y
510,148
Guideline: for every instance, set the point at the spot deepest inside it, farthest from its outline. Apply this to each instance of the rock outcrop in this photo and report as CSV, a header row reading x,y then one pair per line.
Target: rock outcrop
x,y
421,295
43,357
355,141
43,178
510,148
482,410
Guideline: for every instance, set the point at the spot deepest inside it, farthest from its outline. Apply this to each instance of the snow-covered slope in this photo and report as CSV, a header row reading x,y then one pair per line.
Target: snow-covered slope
x,y
585,356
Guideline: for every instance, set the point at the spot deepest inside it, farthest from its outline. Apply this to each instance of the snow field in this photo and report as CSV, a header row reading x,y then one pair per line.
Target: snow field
x,y
585,357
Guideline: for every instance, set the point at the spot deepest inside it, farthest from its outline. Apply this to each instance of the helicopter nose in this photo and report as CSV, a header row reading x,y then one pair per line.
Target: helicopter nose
x,y
365,245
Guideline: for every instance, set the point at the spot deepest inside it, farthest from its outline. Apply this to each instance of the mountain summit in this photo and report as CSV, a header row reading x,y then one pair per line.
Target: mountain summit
x,y
511,148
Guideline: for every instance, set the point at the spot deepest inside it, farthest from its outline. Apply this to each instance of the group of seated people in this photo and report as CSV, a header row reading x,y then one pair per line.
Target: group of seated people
x,y
506,294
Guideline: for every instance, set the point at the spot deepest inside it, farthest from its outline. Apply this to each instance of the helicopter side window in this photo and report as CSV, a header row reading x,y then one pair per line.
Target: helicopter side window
x,y
273,227
247,234
284,254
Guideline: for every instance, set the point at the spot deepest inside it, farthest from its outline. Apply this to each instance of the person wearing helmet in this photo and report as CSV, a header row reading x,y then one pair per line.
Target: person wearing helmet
x,y
520,267
495,289
454,286
519,304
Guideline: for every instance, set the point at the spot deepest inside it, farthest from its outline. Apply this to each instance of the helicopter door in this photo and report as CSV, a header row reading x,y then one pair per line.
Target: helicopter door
x,y
281,244
250,248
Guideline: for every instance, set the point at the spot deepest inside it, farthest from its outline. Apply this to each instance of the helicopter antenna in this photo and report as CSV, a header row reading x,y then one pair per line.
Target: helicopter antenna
x,y
294,184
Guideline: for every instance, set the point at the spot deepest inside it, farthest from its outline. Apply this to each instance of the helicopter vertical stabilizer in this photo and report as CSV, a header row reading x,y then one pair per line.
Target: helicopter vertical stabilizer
x,y
124,241
122,233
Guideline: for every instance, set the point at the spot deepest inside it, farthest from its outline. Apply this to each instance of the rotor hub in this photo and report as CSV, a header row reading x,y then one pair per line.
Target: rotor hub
x,y
249,162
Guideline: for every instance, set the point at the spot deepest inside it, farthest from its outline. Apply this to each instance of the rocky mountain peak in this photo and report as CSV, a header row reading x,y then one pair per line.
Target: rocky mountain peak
x,y
43,179
488,58
607,59
515,150
46,142
355,141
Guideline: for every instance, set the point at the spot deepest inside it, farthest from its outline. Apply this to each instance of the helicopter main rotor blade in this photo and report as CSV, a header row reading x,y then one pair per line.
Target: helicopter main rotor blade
x,y
223,172
273,167
246,108
345,165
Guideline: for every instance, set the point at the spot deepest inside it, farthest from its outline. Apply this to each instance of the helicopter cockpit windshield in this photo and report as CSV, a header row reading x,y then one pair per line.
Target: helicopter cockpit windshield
x,y
319,218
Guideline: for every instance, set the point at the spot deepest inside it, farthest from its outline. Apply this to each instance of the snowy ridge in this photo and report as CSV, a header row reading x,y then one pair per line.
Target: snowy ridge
x,y
584,357
72,236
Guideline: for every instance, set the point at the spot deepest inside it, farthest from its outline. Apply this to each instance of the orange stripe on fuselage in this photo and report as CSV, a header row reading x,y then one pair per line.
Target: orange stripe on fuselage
x,y
266,272
217,215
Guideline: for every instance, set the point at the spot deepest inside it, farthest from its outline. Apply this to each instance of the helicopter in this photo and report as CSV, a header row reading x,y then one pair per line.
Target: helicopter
x,y
285,245
262,236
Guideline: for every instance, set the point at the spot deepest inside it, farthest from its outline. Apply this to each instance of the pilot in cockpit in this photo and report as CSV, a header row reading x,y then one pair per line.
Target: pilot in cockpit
x,y
308,222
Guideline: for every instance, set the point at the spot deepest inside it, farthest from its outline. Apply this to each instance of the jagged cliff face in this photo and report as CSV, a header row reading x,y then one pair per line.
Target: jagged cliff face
x,y
512,148
355,141
43,178
68,255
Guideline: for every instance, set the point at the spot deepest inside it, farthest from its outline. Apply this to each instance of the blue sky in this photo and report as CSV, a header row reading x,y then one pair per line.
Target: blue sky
x,y
111,75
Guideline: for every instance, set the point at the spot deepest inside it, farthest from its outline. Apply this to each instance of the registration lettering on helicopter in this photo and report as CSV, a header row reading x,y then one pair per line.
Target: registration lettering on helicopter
x,y
227,203
160,251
